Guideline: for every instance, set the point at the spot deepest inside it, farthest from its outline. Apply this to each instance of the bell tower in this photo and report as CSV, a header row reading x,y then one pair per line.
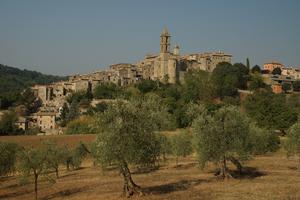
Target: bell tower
x,y
165,41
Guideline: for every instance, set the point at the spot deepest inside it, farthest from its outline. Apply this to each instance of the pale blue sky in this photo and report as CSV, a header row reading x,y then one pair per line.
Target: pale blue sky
x,y
72,36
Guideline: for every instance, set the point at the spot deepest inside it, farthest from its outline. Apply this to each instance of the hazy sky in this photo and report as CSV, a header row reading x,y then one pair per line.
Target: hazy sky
x,y
71,36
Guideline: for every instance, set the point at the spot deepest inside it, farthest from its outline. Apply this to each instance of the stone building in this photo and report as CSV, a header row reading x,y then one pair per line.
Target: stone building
x,y
164,66
44,92
207,61
291,71
46,120
126,73
270,66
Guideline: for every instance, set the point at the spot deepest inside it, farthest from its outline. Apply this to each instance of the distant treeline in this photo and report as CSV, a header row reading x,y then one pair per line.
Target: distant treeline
x,y
14,80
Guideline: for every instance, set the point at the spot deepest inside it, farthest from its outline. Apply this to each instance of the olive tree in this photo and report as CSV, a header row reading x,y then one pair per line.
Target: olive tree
x,y
8,157
127,135
221,137
263,140
181,145
74,156
55,156
33,161
292,144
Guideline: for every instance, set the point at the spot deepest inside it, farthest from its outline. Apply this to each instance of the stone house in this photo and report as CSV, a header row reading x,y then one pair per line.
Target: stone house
x,y
270,66
46,120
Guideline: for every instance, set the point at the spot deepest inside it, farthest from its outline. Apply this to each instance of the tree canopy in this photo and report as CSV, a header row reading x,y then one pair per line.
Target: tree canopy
x,y
223,136
292,144
126,134
270,110
228,78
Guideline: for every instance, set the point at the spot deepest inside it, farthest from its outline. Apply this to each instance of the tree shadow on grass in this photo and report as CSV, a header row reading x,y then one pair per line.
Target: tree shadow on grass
x,y
65,193
186,166
247,173
145,170
294,168
13,194
67,175
172,187
11,186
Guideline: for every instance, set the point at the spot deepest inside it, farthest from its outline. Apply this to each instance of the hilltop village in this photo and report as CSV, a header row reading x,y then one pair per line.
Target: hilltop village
x,y
168,66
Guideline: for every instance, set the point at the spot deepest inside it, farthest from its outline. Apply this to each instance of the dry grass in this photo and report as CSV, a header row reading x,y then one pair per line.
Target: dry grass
x,y
32,140
270,177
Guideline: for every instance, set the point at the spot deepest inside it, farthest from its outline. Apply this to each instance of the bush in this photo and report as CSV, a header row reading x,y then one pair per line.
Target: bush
x,y
7,124
263,140
74,157
146,86
292,144
107,91
81,125
8,157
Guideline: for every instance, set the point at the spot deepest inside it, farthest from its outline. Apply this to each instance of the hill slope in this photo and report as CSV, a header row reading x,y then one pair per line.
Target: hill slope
x,y
14,80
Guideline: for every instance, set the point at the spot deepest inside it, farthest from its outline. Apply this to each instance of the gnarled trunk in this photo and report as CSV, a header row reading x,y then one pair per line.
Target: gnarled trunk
x,y
224,170
68,165
56,172
35,184
237,164
129,188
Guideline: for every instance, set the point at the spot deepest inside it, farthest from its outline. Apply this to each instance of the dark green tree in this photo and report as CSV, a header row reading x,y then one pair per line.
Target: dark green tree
x,y
197,86
263,140
7,124
296,86
270,110
229,78
248,64
256,69
286,87
276,71
146,86
256,82
107,91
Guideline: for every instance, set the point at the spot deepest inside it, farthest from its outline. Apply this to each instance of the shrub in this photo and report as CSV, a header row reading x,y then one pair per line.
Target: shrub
x,y
8,157
81,125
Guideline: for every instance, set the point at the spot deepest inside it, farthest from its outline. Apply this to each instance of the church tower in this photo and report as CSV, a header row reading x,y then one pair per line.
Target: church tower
x,y
165,41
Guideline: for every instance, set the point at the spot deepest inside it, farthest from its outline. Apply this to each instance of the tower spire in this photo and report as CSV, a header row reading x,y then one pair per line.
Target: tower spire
x,y
165,41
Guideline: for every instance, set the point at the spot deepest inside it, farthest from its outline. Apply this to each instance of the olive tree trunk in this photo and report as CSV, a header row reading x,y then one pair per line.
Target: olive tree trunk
x,y
237,164
224,170
56,172
36,184
129,187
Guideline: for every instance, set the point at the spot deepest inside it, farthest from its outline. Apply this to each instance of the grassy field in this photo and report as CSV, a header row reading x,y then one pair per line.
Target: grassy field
x,y
271,176
32,140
